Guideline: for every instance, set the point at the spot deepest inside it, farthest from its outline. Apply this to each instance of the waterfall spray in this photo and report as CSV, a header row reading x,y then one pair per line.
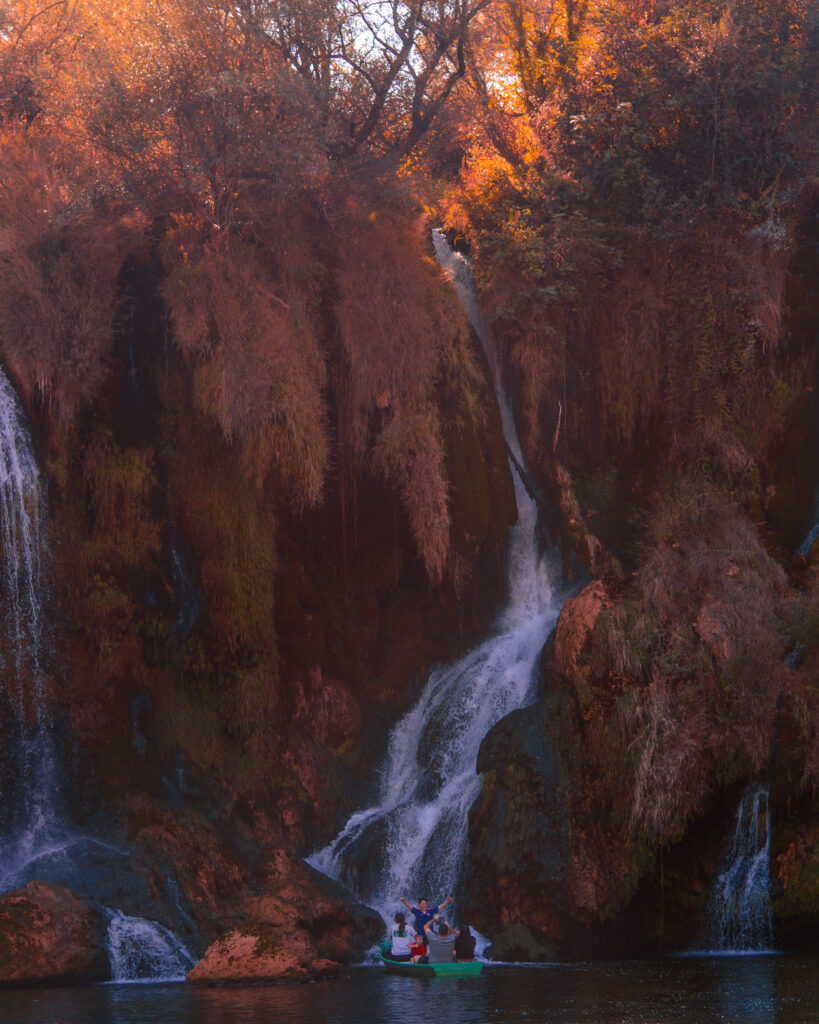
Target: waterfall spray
x,y
413,841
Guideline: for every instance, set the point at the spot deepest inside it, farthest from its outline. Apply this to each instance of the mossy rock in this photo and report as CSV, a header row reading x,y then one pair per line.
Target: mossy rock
x,y
482,496
299,617
517,944
796,473
796,902
50,936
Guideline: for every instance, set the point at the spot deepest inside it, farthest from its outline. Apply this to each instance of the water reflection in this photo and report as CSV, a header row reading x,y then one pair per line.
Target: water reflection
x,y
746,992
686,990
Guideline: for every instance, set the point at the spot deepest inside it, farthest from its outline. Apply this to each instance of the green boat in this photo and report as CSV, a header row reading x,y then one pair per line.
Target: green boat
x,y
457,969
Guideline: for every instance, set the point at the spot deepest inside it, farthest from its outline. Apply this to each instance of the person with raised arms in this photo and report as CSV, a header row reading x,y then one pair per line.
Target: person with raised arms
x,y
424,913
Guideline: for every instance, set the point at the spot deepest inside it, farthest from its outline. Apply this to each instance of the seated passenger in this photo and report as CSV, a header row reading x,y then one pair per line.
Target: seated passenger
x,y
465,944
440,946
418,949
401,939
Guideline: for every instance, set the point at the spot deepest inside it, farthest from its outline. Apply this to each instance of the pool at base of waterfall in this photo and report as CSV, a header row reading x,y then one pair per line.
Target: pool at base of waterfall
x,y
673,990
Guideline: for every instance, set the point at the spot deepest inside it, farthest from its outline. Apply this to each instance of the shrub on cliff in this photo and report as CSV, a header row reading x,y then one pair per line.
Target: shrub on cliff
x,y
59,263
403,336
250,331
702,638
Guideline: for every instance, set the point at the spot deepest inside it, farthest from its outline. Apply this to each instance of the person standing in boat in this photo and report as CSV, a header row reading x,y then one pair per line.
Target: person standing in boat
x,y
401,939
424,913
440,947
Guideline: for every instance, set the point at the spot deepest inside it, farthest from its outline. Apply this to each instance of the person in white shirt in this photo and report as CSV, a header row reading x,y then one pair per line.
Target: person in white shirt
x,y
401,939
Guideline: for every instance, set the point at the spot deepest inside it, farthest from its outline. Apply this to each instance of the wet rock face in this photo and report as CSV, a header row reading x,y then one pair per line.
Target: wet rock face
x,y
550,845
534,846
796,885
520,831
49,936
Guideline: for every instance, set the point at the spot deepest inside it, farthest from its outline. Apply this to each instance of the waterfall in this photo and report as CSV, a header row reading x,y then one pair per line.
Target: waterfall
x,y
740,903
413,841
27,809
140,950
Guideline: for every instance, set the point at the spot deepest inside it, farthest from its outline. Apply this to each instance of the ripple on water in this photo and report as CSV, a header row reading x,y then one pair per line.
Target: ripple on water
x,y
679,990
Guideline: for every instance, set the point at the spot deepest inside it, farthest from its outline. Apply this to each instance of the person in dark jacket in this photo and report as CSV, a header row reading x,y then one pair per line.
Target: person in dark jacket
x,y
465,944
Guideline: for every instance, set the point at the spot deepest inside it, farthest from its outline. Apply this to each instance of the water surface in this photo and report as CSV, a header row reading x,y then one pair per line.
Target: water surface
x,y
690,990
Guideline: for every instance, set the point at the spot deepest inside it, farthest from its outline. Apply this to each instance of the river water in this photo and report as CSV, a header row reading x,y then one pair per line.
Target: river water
x,y
774,989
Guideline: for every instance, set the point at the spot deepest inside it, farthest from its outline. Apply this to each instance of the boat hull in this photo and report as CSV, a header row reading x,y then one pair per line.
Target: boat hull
x,y
459,969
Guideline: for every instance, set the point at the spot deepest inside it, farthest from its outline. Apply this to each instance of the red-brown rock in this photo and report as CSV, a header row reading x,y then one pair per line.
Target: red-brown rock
x,y
261,953
572,635
49,936
576,624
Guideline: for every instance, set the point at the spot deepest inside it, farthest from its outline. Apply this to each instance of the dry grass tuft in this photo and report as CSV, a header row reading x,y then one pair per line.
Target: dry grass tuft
x,y
258,368
397,321
59,263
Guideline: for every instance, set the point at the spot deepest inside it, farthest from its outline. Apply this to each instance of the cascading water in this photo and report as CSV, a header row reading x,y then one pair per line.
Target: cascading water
x,y
28,809
413,841
740,904
140,950
36,840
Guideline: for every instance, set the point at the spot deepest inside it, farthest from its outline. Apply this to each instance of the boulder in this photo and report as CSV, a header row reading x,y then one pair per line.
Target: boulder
x,y
259,952
575,626
573,637
516,944
303,926
50,936
295,893
519,830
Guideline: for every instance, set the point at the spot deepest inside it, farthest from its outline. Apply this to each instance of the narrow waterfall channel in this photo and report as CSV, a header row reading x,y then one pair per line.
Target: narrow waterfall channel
x,y
740,903
140,950
413,841
36,839
28,810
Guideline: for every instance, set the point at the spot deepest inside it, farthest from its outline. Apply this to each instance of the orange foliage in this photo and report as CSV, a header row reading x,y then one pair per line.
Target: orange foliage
x,y
60,262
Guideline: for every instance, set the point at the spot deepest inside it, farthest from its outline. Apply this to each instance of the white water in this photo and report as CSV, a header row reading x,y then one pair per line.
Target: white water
x,y
412,842
28,813
140,950
740,901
